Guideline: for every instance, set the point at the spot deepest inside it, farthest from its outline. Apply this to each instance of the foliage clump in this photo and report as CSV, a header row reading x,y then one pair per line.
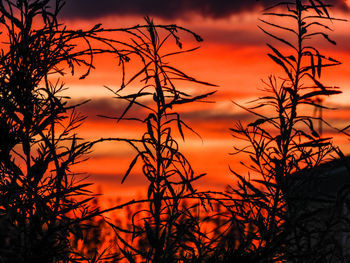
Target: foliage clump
x,y
41,202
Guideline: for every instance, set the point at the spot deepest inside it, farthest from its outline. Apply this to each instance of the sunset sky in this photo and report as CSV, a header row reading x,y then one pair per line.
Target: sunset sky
x,y
233,56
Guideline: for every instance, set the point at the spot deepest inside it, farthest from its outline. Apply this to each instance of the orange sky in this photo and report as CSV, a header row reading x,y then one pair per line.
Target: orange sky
x,y
232,56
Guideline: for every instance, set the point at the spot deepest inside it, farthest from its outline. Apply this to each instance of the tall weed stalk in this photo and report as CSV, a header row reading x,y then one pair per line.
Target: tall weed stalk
x,y
278,219
169,230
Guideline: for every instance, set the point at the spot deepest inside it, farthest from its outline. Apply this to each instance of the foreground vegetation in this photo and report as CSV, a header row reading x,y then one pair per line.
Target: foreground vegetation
x,y
47,215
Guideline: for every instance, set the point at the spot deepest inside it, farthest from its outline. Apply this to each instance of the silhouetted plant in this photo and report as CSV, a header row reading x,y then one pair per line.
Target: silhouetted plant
x,y
41,201
273,211
93,239
169,230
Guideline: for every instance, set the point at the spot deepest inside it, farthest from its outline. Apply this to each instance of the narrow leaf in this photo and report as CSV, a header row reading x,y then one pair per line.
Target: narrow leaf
x,y
132,164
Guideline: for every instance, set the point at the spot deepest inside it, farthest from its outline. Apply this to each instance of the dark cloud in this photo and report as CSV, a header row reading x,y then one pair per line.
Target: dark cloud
x,y
214,116
108,107
114,108
166,9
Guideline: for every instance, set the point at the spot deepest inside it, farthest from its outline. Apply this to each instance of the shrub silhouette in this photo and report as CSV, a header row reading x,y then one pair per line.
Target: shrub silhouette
x,y
41,201
276,220
168,230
